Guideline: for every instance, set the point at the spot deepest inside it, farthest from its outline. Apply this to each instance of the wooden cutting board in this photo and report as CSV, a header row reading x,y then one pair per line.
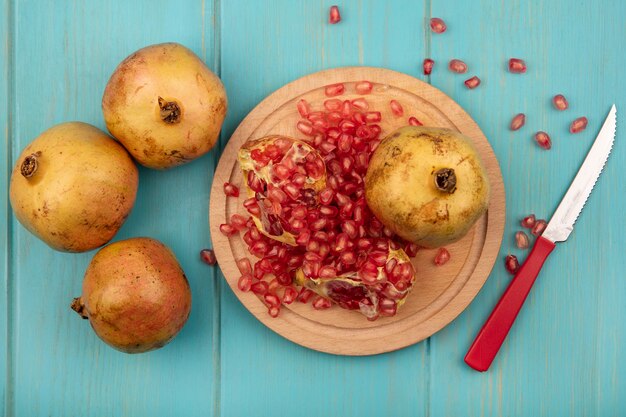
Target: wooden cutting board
x,y
440,293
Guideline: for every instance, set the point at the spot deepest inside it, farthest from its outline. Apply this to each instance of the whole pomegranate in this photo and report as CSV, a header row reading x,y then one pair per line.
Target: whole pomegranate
x,y
426,184
73,187
135,295
164,105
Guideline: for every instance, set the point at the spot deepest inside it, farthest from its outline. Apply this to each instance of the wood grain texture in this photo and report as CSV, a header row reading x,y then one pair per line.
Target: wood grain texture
x,y
565,354
440,293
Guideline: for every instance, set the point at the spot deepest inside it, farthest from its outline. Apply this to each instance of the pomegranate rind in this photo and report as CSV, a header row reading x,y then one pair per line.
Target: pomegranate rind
x,y
323,287
247,164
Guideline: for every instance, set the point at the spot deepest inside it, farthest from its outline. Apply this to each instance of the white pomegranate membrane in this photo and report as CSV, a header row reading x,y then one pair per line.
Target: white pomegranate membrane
x,y
309,224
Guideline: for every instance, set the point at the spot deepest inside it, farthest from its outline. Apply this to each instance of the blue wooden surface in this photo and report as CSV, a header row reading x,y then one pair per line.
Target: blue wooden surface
x,y
566,354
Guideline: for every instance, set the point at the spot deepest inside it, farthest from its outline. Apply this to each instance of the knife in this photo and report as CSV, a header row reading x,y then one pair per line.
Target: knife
x,y
494,331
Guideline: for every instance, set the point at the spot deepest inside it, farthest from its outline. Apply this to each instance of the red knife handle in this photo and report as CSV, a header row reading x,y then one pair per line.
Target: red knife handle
x,y
494,331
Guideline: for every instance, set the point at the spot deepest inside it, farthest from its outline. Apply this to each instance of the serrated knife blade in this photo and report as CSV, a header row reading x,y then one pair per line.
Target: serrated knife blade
x,y
494,331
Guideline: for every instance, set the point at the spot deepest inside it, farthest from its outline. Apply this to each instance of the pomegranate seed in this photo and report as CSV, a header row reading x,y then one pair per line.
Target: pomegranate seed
x,y
329,211
208,256
518,121
378,258
238,221
472,83
517,66
360,103
271,299
350,228
244,266
273,311
458,66
304,108
543,140
348,258
521,240
245,282
411,250
511,264
334,16
373,117
305,127
414,122
560,102
578,125
396,108
305,295
328,272
437,25
290,295
231,190
260,248
428,66
539,227
321,303
528,221
363,87
273,286
227,230
259,287
442,256
333,104
346,109
334,90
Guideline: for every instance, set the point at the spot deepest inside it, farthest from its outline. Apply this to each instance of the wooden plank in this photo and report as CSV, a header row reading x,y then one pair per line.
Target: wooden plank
x,y
6,51
65,54
563,356
262,373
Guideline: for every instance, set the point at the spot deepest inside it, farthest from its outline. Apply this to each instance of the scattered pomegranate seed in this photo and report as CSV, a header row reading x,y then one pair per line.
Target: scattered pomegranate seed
x,y
560,102
227,229
321,303
231,190
363,87
428,66
244,266
290,295
539,227
437,25
521,240
517,66
245,282
334,16
511,264
518,121
208,256
238,221
442,257
543,140
273,311
304,108
305,295
396,108
578,125
528,221
360,103
305,127
334,90
259,287
458,66
472,83
414,122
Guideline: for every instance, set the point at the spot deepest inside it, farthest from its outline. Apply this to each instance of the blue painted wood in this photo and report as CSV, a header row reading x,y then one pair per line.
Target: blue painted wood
x,y
565,355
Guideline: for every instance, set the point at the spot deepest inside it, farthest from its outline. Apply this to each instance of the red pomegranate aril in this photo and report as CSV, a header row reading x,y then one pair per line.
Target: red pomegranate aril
x,y
326,196
364,244
342,199
539,227
305,295
543,140
273,285
457,66
396,108
528,221
208,256
388,232
273,311
312,257
227,229
290,295
297,224
260,158
334,90
334,16
333,104
326,148
517,66
348,258
360,103
245,282
363,87
298,179
560,102
264,265
350,228
321,303
244,266
277,195
238,221
329,211
511,264
347,126
442,257
364,132
521,240
255,183
428,66
341,242
346,211
328,271
313,246
292,191
437,25
255,234
414,122
231,190
316,115
368,272
259,248
518,121
411,249
347,164
373,116
324,250
378,258
259,287
304,108
333,118
390,265
472,83
271,299
305,127
578,125
346,109
318,224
